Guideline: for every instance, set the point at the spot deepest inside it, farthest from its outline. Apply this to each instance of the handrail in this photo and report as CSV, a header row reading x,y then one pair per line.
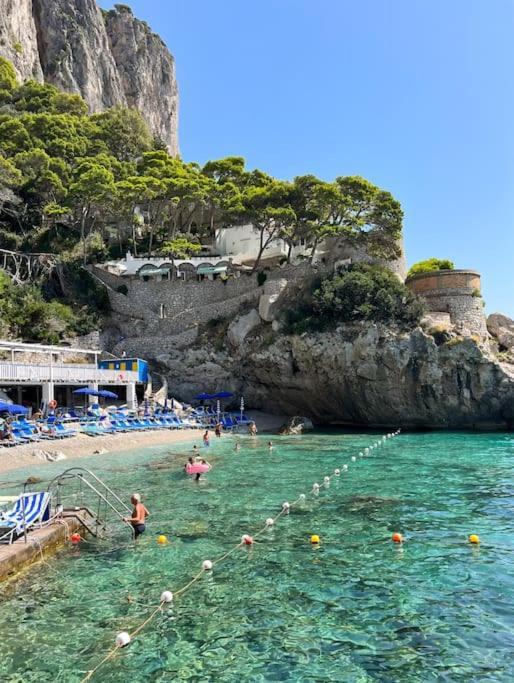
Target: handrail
x,y
78,473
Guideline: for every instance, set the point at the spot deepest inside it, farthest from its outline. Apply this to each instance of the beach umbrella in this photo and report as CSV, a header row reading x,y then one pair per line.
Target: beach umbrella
x,y
12,408
203,397
86,391
107,394
223,394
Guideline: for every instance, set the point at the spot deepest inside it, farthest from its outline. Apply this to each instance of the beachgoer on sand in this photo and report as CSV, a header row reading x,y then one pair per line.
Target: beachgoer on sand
x,y
139,515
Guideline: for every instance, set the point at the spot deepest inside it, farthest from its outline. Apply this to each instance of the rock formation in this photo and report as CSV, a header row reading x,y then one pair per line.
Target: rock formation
x,y
363,374
110,58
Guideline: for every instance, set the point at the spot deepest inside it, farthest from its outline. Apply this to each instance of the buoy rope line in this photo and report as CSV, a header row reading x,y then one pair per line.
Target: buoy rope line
x,y
124,638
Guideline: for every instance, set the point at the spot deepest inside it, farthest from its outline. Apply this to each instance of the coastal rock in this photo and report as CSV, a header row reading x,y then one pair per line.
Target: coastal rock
x,y
268,301
372,375
241,327
295,425
109,57
48,456
502,328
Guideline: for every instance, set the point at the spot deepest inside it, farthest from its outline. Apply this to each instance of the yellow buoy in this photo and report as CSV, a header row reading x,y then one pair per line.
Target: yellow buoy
x,y
314,538
162,539
473,538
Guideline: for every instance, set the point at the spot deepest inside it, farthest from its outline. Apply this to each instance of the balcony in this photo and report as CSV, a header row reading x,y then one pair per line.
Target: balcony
x,y
19,373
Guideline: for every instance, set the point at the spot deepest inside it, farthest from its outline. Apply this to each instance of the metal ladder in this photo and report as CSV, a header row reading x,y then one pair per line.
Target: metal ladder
x,y
103,495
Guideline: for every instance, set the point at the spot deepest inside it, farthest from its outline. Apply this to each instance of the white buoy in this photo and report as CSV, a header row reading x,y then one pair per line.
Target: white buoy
x,y
315,487
361,455
122,639
206,565
337,472
326,480
345,467
366,450
353,458
270,521
286,507
166,596
301,496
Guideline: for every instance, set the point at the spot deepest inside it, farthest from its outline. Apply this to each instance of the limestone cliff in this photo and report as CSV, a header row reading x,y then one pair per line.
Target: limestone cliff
x,y
110,58
363,374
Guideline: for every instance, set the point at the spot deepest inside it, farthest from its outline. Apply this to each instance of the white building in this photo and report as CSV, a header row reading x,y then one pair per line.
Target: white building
x,y
39,374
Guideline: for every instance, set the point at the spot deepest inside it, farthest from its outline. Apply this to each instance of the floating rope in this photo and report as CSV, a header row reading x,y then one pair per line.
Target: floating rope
x,y
124,638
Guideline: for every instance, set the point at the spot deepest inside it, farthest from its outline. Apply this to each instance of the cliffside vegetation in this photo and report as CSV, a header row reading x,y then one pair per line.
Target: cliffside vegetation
x,y
359,292
89,187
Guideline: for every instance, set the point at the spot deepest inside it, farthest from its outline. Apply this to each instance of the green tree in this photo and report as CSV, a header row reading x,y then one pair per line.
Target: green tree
x,y
124,132
181,247
91,192
266,206
429,265
8,81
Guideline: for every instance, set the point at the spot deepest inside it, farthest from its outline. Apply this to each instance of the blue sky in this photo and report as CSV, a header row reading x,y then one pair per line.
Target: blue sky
x,y
416,95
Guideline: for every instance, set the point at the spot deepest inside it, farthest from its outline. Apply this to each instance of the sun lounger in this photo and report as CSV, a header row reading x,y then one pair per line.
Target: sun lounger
x,y
29,510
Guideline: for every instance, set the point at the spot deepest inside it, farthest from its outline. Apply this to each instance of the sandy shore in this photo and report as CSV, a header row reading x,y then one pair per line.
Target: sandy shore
x,y
82,445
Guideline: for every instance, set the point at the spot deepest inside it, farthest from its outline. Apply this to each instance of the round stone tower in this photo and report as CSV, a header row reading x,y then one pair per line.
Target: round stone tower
x,y
456,292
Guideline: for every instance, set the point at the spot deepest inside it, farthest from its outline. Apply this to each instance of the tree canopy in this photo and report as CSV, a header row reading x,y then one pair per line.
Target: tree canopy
x,y
429,265
88,186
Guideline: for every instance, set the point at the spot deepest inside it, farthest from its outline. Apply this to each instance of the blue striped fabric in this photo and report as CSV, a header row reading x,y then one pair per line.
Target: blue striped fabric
x,y
35,507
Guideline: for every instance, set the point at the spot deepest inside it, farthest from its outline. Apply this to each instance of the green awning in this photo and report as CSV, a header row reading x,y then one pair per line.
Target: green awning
x,y
155,271
210,270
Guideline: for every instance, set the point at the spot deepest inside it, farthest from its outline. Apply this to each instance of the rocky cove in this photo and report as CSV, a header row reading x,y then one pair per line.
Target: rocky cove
x,y
360,375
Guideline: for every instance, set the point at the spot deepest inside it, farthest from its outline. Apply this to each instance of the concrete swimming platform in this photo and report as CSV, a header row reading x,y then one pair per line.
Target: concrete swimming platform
x,y
38,544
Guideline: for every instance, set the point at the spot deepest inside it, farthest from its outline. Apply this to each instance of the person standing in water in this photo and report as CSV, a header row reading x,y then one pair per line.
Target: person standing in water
x,y
206,439
139,515
217,430
270,446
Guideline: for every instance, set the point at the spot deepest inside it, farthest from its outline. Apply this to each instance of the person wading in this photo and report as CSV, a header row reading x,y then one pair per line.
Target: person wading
x,y
139,515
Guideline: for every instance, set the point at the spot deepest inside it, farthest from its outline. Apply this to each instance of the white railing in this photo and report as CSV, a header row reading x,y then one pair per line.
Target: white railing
x,y
64,374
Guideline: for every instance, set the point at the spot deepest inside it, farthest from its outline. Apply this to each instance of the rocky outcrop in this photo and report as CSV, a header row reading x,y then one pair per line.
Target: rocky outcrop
x,y
295,425
18,38
110,58
502,329
146,71
358,375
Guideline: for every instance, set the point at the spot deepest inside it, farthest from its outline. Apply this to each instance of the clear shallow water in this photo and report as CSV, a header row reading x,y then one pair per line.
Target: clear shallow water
x,y
359,608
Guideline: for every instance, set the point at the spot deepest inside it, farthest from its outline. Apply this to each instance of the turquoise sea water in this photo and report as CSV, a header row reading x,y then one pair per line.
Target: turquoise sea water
x,y
358,608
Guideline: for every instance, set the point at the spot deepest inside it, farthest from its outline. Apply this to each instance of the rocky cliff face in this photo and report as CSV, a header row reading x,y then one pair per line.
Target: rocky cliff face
x,y
110,58
359,375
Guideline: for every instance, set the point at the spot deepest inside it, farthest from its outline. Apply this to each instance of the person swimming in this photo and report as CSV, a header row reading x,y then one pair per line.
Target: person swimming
x,y
270,446
238,447
139,515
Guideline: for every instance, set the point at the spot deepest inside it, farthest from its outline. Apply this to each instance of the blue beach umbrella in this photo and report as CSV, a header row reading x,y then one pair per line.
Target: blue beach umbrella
x,y
86,391
107,394
203,397
12,408
222,394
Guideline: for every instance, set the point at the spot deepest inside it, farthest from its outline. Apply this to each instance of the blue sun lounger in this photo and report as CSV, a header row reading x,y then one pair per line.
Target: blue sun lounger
x,y
29,510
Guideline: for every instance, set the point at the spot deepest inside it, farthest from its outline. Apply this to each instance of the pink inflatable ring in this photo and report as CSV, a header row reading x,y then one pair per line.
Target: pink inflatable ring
x,y
197,468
